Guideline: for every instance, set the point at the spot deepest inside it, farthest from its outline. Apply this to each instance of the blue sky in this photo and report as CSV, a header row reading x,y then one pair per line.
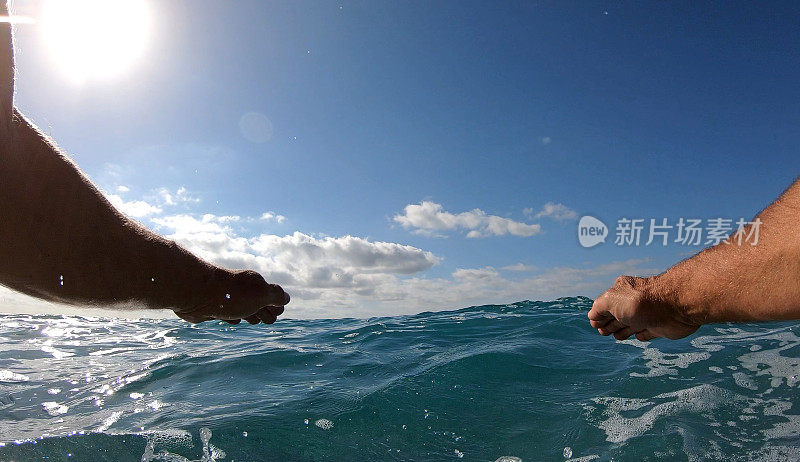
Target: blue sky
x,y
609,109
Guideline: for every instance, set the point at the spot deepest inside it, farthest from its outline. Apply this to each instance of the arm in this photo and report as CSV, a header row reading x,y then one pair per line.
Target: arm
x,y
729,282
61,240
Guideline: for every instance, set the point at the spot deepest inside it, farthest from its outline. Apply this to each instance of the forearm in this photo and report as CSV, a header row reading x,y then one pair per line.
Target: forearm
x,y
61,240
739,281
47,205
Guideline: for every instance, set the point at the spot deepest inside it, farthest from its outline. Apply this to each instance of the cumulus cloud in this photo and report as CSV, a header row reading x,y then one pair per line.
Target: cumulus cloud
x,y
156,201
268,216
429,217
559,212
134,209
546,140
297,260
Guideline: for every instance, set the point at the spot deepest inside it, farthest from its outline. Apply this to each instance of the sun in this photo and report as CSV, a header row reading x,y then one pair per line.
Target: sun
x,y
95,39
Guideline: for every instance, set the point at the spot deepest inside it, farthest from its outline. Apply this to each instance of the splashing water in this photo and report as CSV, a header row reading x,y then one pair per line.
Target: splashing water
x,y
526,381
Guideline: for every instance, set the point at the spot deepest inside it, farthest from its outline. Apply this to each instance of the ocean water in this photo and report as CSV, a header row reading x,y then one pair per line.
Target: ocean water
x,y
530,381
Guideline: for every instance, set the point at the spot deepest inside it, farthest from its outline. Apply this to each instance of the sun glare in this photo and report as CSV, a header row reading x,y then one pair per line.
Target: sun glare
x,y
95,39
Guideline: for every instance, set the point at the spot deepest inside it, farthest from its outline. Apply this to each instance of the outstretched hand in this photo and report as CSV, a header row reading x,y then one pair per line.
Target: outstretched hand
x,y
629,308
231,296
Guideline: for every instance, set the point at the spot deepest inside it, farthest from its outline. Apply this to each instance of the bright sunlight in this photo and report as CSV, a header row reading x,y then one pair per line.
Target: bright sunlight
x,y
95,39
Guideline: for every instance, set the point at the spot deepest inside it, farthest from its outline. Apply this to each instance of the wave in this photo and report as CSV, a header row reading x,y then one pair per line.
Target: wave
x,y
529,380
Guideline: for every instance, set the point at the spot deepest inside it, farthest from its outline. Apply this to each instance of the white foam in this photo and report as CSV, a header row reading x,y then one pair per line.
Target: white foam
x,y
55,409
660,363
324,424
619,429
8,376
744,381
210,452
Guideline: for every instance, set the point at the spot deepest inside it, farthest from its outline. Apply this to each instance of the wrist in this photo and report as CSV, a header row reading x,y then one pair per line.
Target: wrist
x,y
670,291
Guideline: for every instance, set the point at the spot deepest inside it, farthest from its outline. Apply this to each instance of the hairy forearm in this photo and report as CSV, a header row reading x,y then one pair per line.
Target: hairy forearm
x,y
61,240
739,281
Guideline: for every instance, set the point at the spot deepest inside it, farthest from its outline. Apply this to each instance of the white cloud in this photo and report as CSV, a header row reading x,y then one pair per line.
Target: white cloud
x,y
476,274
546,140
134,209
180,196
297,260
429,217
157,201
474,286
267,216
353,276
555,211
520,267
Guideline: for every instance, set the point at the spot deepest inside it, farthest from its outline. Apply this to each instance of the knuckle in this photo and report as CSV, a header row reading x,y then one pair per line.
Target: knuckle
x,y
250,277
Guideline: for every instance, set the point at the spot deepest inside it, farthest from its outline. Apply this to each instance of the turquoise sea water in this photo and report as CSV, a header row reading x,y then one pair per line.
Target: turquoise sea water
x,y
529,380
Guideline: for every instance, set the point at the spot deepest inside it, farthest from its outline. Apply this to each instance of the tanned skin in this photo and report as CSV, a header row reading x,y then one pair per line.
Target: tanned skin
x,y
730,282
61,240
